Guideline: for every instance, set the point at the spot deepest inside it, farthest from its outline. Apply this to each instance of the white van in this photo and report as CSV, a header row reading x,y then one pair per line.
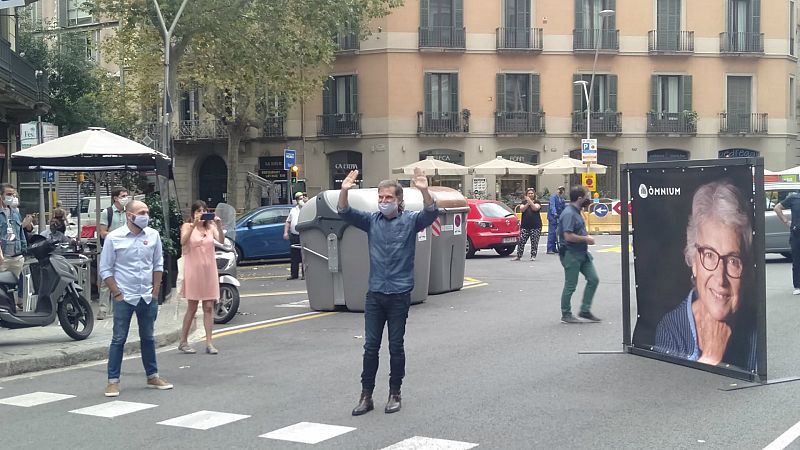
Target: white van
x,y
88,207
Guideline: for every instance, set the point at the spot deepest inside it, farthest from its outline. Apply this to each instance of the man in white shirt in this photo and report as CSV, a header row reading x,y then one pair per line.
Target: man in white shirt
x,y
290,234
131,265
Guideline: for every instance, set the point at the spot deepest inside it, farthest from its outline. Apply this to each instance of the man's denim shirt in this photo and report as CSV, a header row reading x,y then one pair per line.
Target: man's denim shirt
x,y
16,225
392,245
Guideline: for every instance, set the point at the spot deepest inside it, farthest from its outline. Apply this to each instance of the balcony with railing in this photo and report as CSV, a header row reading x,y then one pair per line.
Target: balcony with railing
x,y
191,130
670,42
741,43
585,39
519,39
275,126
666,123
601,122
333,125
522,122
347,42
20,87
743,123
442,38
443,122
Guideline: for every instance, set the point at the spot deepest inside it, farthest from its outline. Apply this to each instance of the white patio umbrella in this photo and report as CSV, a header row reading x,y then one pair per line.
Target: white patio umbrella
x,y
433,167
568,166
790,171
502,166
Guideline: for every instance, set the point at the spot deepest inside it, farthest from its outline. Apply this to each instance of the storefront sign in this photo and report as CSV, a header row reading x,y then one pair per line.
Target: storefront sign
x,y
738,153
271,168
341,164
446,155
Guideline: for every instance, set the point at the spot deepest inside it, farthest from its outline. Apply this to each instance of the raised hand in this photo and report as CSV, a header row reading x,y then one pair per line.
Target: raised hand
x,y
350,180
420,180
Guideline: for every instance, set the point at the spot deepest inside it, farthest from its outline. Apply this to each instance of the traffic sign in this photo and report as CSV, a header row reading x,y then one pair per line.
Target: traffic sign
x,y
589,151
289,158
618,207
457,224
48,176
601,210
589,180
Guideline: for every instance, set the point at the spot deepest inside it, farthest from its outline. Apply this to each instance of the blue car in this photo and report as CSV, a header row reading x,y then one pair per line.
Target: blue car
x,y
259,233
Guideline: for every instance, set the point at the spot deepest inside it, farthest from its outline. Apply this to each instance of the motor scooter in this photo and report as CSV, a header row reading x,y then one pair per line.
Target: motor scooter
x,y
59,295
227,305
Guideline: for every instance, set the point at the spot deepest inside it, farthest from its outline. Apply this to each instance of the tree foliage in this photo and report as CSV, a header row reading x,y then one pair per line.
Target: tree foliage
x,y
237,52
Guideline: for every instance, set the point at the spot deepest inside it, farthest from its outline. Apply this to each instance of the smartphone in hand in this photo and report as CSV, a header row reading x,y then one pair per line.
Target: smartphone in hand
x,y
207,216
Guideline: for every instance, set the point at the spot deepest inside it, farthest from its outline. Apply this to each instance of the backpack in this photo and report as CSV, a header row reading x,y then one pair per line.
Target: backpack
x,y
110,217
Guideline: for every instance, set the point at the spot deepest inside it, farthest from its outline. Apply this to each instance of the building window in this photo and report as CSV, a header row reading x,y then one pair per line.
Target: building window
x,y
441,93
517,13
792,27
77,13
604,93
671,93
190,105
36,16
92,43
340,95
518,92
792,98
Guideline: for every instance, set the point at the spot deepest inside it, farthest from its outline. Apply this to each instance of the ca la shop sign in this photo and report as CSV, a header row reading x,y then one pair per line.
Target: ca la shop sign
x,y
345,166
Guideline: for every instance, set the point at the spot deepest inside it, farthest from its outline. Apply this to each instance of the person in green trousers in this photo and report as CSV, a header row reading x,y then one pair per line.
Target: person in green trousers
x,y
574,244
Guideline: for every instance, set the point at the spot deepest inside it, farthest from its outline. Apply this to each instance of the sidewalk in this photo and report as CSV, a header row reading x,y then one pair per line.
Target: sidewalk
x,y
34,349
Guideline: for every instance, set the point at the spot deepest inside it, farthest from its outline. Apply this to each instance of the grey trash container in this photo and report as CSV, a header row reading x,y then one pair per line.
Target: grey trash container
x,y
448,241
336,255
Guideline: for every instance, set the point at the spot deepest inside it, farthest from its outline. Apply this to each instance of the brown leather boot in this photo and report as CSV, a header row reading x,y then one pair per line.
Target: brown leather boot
x,y
393,405
365,404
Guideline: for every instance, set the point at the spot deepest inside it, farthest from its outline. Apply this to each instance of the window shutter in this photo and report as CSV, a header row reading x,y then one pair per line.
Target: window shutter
x,y
612,92
354,94
535,98
458,9
500,99
654,93
610,23
755,16
428,93
454,92
686,90
328,96
579,14
62,13
424,11
577,93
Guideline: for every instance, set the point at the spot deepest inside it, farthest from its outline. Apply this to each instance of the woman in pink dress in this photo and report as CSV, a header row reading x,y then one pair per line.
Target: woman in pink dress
x,y
200,279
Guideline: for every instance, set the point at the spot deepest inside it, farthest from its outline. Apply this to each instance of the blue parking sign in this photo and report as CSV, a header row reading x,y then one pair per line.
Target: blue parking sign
x,y
289,158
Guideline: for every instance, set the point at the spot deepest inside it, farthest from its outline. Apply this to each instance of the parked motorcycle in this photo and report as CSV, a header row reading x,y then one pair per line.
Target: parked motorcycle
x,y
227,305
58,294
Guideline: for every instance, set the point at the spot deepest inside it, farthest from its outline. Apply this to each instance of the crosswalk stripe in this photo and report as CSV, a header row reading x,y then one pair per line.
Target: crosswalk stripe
x,y
113,409
203,420
34,399
307,432
418,442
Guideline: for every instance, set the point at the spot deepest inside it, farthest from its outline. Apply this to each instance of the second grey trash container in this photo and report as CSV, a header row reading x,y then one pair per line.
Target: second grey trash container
x,y
449,241
336,255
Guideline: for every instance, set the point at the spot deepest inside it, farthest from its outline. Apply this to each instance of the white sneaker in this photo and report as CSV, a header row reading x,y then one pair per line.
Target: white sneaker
x,y
796,292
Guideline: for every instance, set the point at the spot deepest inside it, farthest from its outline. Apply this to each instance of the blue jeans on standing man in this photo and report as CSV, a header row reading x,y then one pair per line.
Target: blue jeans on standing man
x,y
380,309
146,317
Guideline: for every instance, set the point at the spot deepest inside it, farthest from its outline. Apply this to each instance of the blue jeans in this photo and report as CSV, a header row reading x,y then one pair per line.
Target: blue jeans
x,y
146,316
380,309
552,242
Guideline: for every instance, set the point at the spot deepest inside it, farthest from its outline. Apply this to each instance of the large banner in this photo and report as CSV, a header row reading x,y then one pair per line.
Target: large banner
x,y
696,289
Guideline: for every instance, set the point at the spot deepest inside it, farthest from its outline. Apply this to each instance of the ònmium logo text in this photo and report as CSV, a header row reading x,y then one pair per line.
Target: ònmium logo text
x,y
652,191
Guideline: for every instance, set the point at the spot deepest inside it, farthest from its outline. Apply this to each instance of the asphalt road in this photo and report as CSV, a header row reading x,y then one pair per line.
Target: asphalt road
x,y
490,365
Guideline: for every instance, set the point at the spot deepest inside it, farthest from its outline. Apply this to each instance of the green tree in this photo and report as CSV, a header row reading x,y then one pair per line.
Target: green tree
x,y
237,52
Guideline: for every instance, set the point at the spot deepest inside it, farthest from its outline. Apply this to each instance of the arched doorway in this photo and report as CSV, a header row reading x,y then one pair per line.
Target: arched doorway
x,y
667,154
212,181
607,182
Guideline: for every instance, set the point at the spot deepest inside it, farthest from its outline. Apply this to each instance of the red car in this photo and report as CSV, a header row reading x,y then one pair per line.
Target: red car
x,y
491,224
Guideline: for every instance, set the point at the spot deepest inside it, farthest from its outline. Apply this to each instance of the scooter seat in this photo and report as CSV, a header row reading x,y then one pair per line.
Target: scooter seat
x,y
8,278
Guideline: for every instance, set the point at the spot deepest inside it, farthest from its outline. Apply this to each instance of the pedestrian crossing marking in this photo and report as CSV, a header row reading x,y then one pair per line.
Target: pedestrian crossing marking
x,y
34,399
113,409
418,442
307,432
203,420
300,304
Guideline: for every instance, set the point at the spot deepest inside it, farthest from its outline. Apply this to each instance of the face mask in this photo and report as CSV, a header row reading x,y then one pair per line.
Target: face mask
x,y
387,209
301,202
9,200
15,202
124,201
141,221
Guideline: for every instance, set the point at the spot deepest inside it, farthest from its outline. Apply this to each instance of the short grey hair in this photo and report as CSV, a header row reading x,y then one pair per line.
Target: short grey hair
x,y
398,191
723,202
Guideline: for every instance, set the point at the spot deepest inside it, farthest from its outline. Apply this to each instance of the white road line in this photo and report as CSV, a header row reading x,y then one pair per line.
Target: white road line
x,y
34,399
279,319
307,432
203,420
113,409
785,439
418,442
273,294
301,304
